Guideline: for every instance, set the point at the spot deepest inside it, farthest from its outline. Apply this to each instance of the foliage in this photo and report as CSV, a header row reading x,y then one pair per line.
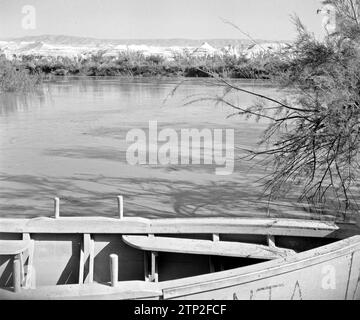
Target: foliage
x,y
312,142
14,77
137,64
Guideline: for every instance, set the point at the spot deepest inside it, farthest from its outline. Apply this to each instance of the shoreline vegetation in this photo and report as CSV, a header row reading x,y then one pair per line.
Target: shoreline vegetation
x,y
14,77
312,144
26,72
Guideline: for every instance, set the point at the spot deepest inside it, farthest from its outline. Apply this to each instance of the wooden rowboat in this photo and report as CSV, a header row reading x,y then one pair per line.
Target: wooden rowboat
x,y
207,258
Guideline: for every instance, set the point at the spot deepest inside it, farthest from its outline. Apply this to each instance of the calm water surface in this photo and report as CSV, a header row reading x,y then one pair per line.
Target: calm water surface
x,y
69,141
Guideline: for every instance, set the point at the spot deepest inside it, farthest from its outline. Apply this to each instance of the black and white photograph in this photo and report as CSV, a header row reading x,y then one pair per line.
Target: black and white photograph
x,y
198,150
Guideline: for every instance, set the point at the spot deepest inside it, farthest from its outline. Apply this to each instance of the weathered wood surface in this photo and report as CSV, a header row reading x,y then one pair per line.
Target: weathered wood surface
x,y
13,247
17,249
88,259
28,269
329,272
89,225
17,273
206,247
90,291
114,269
82,262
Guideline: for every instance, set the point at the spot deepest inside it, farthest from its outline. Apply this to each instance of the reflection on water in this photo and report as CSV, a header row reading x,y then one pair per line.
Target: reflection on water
x,y
13,102
68,140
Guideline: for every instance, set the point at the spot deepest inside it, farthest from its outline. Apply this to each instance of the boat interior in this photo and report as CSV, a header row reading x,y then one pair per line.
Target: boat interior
x,y
67,252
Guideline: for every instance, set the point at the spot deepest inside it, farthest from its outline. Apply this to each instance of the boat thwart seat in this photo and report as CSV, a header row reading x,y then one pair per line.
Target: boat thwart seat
x,y
155,244
206,247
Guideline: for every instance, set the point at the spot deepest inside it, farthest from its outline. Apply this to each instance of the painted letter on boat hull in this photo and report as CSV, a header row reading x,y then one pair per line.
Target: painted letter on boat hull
x,y
328,273
301,284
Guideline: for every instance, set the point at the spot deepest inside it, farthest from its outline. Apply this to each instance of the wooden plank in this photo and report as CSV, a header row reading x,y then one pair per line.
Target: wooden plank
x,y
326,255
90,291
81,262
57,208
13,247
154,267
121,207
17,273
74,225
95,225
290,227
114,269
29,281
353,287
89,258
206,247
22,271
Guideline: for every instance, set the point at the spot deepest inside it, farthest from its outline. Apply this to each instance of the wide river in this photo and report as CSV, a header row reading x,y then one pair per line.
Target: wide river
x,y
69,141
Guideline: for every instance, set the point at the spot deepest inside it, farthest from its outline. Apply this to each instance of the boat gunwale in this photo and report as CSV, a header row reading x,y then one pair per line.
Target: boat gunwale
x,y
100,225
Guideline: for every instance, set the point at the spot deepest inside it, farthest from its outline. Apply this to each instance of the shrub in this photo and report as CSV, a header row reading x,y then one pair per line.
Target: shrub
x,y
15,77
312,143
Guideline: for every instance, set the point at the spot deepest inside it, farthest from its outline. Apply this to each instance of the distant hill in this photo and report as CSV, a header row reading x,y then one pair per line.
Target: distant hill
x,y
85,41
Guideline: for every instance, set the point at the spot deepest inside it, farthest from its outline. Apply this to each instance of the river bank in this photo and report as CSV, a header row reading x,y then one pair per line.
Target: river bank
x,y
149,66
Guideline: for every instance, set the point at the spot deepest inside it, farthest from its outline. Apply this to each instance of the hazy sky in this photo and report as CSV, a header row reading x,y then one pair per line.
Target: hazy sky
x,y
155,19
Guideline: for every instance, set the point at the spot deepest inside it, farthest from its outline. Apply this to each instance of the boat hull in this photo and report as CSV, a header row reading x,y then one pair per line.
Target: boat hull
x,y
331,272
